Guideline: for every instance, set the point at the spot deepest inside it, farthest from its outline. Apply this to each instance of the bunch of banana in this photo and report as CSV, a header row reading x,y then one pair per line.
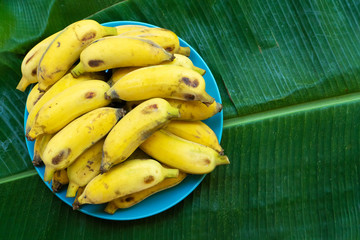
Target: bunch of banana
x,y
122,138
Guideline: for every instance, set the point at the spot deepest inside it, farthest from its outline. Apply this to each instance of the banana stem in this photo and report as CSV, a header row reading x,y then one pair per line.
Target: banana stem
x,y
199,70
72,189
77,70
222,160
110,31
49,173
184,51
170,173
23,84
111,208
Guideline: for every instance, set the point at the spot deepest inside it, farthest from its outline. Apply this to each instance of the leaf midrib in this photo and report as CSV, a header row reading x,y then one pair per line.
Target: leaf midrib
x,y
298,108
228,123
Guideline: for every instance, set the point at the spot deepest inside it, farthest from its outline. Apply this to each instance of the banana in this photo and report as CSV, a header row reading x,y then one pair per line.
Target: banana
x,y
67,144
39,147
129,27
65,49
182,154
33,97
195,131
115,52
134,198
31,61
195,110
118,73
181,60
84,168
126,178
59,179
161,36
164,81
65,82
134,128
68,105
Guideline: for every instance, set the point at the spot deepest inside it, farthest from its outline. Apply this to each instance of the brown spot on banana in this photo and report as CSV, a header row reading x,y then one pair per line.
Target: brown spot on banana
x,y
27,61
149,179
58,158
194,83
88,36
150,109
129,199
170,49
34,72
189,97
58,44
90,95
106,186
95,63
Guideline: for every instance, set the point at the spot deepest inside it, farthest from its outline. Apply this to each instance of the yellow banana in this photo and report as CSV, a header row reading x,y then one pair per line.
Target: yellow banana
x,y
126,178
165,81
67,144
129,27
134,198
134,128
68,105
33,97
65,49
39,147
180,60
182,154
161,36
31,61
84,168
65,82
195,110
115,52
59,179
195,131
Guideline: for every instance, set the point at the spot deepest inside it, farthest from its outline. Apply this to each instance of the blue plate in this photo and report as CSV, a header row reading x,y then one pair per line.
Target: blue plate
x,y
163,200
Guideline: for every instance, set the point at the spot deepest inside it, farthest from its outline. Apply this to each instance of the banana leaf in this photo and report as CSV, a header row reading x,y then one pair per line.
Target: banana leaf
x,y
288,74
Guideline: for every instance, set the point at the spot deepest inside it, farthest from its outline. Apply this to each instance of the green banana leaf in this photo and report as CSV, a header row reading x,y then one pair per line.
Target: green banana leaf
x,y
288,74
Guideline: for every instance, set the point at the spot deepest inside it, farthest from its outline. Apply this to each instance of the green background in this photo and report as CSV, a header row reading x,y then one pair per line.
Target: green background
x,y
288,73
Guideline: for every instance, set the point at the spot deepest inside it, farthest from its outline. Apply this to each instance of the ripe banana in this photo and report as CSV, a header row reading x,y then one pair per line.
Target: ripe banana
x,y
31,61
163,37
68,105
33,97
39,147
181,60
66,145
65,49
165,81
134,198
115,52
195,110
195,131
129,27
84,168
134,128
59,179
182,154
126,178
65,82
